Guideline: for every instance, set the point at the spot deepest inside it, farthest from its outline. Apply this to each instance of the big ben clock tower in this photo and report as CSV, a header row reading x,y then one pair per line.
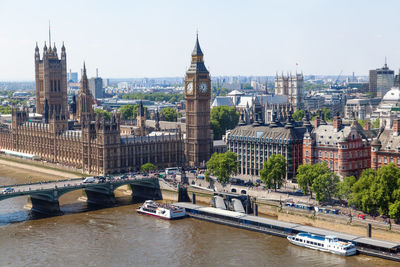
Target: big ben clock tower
x,y
197,94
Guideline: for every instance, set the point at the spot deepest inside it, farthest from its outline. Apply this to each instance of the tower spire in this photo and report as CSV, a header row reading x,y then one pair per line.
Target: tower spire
x,y
49,35
197,50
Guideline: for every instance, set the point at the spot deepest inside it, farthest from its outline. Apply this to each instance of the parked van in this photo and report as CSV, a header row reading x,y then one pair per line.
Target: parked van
x,y
88,180
170,171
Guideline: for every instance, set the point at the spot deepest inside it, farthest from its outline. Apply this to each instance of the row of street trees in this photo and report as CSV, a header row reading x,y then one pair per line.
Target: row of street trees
x,y
375,192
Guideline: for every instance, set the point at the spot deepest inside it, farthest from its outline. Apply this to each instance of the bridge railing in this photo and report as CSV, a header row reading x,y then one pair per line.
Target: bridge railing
x,y
80,185
45,182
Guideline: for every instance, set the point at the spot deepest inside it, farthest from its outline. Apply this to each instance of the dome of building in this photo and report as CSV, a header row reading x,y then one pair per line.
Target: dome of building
x,y
393,95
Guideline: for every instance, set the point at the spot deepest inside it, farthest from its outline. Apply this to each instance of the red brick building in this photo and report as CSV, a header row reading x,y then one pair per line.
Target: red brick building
x,y
346,149
385,148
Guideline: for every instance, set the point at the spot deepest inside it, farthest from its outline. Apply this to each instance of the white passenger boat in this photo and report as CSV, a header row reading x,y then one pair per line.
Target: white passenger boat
x,y
327,243
161,210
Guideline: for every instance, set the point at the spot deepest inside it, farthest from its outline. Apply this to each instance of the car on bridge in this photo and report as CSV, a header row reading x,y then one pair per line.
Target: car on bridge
x,y
8,190
88,180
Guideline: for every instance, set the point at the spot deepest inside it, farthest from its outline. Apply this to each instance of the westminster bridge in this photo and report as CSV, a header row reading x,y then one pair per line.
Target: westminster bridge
x,y
44,195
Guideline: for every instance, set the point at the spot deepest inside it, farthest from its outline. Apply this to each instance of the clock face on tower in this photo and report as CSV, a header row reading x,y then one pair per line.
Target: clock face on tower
x,y
189,88
203,87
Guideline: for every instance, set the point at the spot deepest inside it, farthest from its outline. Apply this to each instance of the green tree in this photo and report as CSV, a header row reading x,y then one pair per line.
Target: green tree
x,y
169,113
107,115
298,115
307,173
147,167
5,110
129,112
172,98
223,165
394,210
325,186
223,118
377,191
344,188
376,123
273,173
361,122
326,113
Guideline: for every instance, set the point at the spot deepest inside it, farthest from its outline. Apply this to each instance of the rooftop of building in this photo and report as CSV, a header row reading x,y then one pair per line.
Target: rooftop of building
x,y
274,131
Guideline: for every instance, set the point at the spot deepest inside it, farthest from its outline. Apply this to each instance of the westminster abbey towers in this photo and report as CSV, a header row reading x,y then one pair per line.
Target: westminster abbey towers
x,y
197,94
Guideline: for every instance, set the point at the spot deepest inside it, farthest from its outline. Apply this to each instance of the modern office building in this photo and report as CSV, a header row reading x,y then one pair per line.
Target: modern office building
x,y
255,143
96,87
381,81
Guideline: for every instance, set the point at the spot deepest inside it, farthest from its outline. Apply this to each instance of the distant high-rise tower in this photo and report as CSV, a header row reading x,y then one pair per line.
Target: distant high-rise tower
x,y
51,79
96,86
381,81
291,86
197,95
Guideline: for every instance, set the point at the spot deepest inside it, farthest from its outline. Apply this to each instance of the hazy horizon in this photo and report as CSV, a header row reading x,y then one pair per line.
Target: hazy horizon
x,y
155,38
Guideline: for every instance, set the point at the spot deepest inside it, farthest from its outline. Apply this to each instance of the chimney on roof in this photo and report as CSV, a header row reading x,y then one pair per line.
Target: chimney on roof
x,y
396,127
337,123
317,121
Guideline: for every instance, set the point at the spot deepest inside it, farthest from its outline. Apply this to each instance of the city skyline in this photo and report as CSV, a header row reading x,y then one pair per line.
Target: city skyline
x,y
152,39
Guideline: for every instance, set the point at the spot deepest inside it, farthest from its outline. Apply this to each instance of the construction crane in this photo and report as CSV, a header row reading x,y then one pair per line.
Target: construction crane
x,y
335,85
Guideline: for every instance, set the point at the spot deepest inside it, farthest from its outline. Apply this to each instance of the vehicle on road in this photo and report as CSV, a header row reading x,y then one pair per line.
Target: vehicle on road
x,y
170,171
88,180
8,190
361,216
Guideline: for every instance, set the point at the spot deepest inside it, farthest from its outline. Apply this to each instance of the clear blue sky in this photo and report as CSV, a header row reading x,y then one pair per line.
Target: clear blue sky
x,y
154,38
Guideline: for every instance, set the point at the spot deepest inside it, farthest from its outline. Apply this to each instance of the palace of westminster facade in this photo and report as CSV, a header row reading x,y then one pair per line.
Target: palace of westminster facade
x,y
75,135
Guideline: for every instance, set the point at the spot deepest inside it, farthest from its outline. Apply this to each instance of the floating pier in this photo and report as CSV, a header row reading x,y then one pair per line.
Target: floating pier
x,y
365,245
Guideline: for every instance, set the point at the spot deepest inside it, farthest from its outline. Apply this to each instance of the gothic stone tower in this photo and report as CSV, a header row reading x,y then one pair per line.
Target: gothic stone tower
x,y
84,107
197,95
51,79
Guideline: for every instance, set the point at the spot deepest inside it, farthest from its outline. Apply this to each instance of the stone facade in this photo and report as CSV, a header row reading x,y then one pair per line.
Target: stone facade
x,y
198,95
291,86
90,142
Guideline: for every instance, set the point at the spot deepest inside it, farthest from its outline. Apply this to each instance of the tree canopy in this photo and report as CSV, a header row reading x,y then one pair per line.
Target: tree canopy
x,y
169,114
223,165
148,167
129,112
376,123
378,191
273,173
298,115
107,115
344,188
171,97
223,118
307,173
325,186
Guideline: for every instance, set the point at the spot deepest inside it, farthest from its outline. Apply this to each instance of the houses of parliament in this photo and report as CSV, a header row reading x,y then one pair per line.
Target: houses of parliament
x,y
74,135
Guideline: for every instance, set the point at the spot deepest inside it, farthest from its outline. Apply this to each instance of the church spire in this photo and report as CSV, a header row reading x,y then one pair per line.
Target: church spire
x,y
197,50
84,81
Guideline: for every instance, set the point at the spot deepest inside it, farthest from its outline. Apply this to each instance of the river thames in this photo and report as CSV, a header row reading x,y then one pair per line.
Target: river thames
x,y
118,236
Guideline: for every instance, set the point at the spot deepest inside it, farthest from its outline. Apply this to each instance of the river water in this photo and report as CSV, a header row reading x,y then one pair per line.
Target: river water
x,y
118,236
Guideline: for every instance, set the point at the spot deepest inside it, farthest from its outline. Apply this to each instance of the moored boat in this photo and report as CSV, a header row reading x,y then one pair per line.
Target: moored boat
x,y
323,243
161,210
